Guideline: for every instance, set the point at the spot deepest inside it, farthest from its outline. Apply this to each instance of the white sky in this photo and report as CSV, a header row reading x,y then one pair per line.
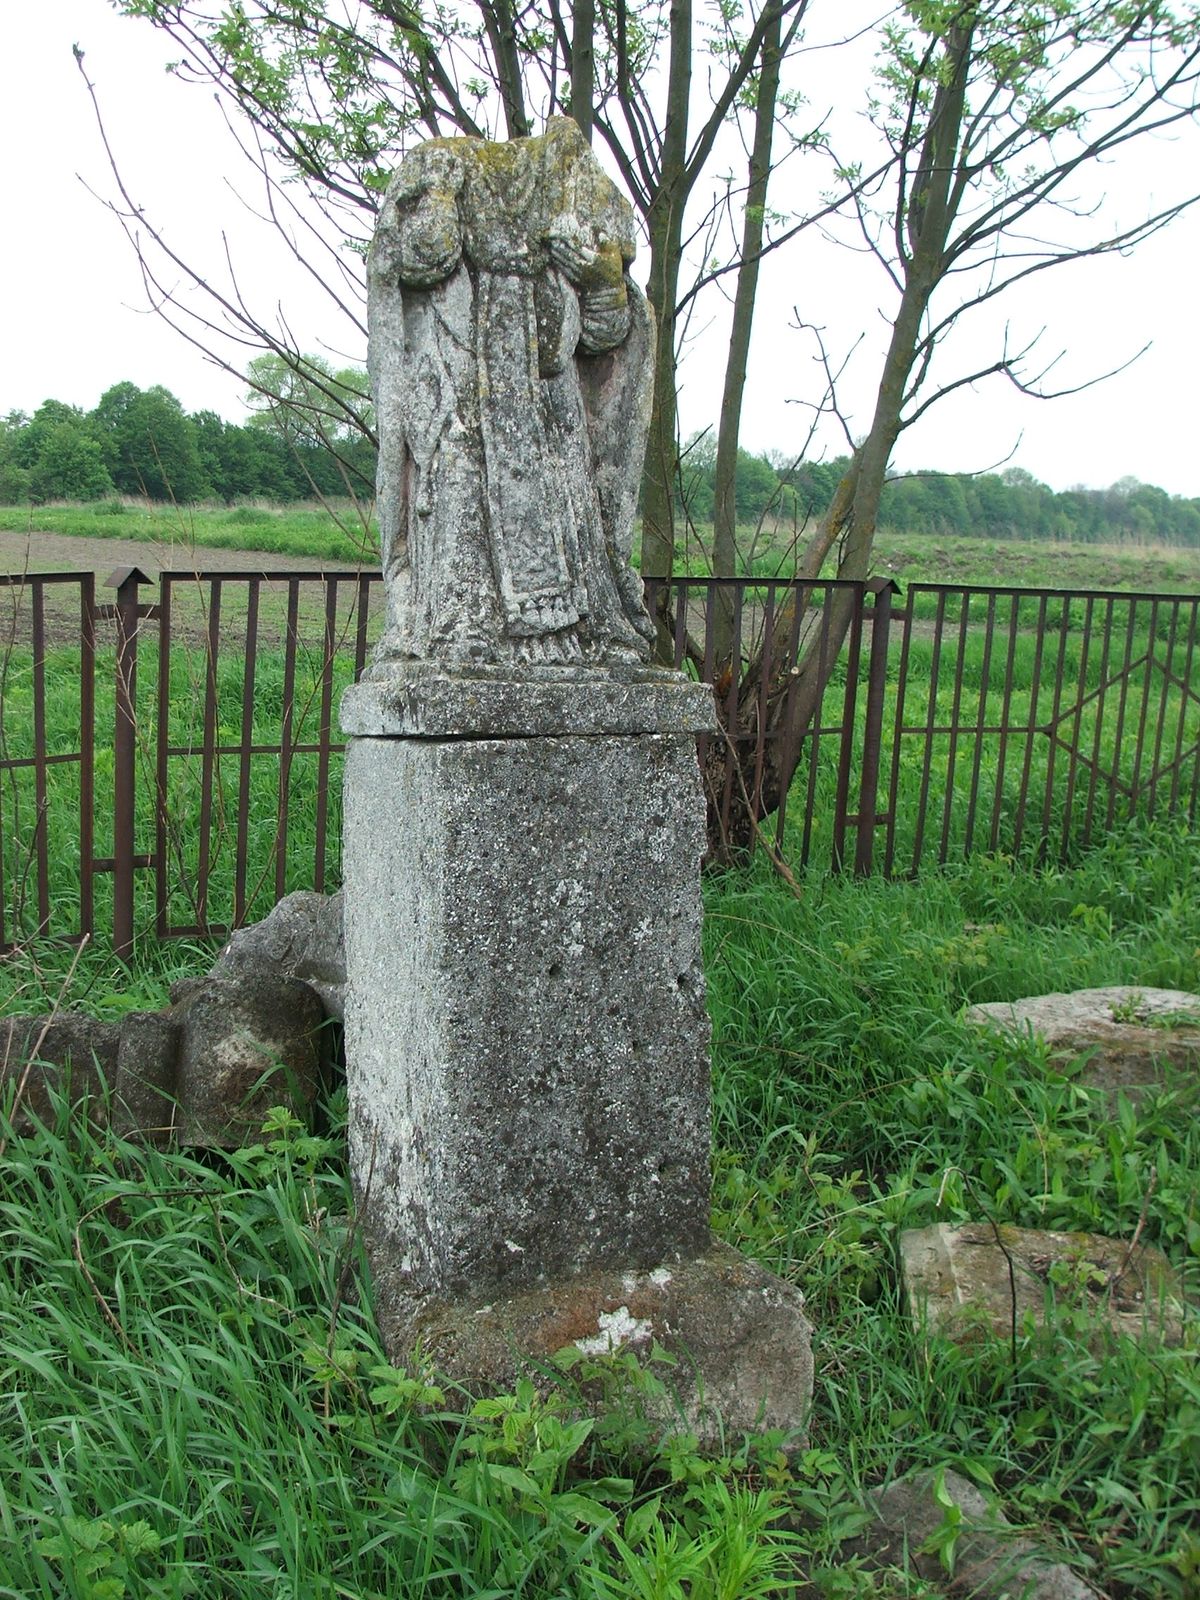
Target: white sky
x,y
75,318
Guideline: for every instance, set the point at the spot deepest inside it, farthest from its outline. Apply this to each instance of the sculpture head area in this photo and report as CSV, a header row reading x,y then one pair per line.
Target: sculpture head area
x,y
526,1034
511,361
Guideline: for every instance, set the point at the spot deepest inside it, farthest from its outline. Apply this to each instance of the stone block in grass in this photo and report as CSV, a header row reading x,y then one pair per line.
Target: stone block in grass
x,y
977,1279
1130,1037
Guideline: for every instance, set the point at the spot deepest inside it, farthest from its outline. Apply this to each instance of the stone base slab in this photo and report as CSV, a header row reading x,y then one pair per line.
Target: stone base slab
x,y
961,1281
420,702
526,1034
1129,1035
741,1342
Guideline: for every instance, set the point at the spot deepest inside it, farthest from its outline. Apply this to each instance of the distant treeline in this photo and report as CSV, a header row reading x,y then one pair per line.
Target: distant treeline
x,y
1008,505
141,442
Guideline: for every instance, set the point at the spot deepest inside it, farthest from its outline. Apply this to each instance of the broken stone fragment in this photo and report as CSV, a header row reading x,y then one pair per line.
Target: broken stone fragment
x,y
245,1044
992,1559
66,1054
301,937
963,1281
143,1102
1130,1036
739,1334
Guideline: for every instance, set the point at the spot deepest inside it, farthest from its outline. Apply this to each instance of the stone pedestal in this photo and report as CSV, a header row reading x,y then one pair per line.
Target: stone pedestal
x,y
526,1034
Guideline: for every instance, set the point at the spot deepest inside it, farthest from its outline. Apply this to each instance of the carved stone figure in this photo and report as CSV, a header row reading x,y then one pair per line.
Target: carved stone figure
x,y
511,358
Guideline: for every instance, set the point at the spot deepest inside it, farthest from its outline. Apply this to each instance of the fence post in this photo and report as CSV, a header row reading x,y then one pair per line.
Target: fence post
x,y
881,591
126,581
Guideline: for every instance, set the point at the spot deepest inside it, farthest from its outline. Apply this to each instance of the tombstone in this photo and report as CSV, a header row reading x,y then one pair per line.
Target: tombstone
x,y
526,1036
1129,1038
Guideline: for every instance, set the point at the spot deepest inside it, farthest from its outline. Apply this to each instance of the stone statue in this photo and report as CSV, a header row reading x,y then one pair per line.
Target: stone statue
x,y
511,359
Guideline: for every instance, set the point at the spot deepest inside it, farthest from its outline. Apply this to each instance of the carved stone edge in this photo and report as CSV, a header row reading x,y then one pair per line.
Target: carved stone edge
x,y
428,706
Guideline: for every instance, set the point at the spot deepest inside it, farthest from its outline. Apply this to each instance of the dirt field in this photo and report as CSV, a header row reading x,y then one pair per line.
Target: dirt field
x,y
32,553
59,552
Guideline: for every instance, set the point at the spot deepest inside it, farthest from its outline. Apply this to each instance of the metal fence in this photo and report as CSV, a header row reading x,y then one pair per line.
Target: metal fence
x,y
172,766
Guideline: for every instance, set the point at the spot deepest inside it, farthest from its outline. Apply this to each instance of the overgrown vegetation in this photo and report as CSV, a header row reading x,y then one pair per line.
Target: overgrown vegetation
x,y
1009,505
194,1394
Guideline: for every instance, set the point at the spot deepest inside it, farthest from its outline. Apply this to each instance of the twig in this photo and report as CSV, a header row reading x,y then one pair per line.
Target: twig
x,y
110,1315
41,1038
774,854
1116,1277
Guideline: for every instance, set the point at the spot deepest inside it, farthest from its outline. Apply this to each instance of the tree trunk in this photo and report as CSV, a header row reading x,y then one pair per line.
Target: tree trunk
x,y
583,64
665,221
501,32
724,553
794,694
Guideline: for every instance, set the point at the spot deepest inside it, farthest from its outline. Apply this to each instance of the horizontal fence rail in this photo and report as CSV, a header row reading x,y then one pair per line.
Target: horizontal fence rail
x,y
856,731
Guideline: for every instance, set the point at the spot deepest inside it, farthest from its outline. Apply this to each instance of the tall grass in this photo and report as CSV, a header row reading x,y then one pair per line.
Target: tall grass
x,y
195,1400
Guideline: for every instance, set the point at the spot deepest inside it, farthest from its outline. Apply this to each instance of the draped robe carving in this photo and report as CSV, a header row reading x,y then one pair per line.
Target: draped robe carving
x,y
511,359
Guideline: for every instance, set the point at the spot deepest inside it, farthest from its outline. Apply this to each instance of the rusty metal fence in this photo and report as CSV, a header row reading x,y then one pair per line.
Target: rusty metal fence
x,y
171,766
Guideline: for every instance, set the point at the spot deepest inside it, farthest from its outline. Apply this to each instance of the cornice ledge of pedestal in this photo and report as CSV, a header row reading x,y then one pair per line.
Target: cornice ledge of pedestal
x,y
423,701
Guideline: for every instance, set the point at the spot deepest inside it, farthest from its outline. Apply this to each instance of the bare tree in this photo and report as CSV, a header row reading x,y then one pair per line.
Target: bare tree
x,y
996,114
333,90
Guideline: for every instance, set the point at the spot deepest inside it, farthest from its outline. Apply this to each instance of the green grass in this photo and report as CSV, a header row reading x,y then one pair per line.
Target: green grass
x,y
195,1401
969,559
346,533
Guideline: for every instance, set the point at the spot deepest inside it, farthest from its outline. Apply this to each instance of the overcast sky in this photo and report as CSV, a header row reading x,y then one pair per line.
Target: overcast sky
x,y
76,318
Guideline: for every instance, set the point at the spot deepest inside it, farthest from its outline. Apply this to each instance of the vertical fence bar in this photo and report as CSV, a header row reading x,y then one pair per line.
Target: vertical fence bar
x,y
1161,721
985,674
813,732
955,714
245,759
87,753
323,733
1135,786
849,706
209,770
1118,737
1010,659
1052,733
360,630
764,702
162,742
881,591
1102,686
41,827
889,852
285,751
790,736
1194,804
733,732
939,628
1077,726
126,582
1184,705
1031,729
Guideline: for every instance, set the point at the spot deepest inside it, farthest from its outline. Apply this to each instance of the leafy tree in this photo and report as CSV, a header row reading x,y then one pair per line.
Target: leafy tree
x,y
150,445
69,466
56,454
996,111
308,406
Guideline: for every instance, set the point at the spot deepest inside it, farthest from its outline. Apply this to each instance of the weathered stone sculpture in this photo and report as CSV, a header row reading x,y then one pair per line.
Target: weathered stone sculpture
x,y
511,359
526,1037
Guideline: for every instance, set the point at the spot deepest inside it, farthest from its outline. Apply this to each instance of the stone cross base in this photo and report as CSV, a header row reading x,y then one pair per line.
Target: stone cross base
x,y
526,1037
741,1342
526,1033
